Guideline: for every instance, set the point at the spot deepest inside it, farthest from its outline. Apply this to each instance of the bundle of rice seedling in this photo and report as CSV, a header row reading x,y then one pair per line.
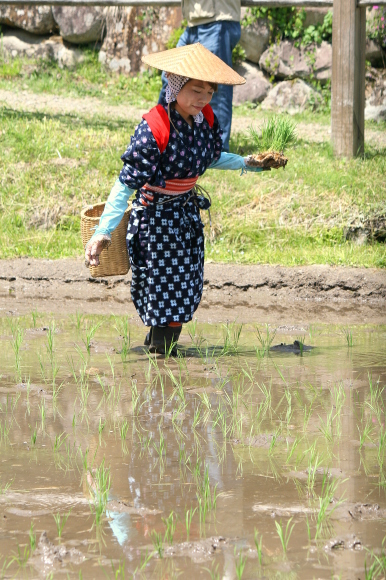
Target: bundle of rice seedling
x,y
276,135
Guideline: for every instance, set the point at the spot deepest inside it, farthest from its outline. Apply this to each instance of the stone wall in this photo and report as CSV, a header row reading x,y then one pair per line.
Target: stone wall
x,y
134,32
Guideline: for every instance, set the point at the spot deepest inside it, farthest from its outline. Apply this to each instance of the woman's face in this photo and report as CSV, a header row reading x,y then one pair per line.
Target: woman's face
x,y
193,96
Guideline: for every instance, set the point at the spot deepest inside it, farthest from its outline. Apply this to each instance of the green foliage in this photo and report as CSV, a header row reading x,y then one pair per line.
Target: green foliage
x,y
290,23
88,79
176,35
376,26
276,134
238,54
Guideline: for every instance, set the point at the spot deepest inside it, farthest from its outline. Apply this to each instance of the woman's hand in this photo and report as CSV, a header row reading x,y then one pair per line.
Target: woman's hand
x,y
94,249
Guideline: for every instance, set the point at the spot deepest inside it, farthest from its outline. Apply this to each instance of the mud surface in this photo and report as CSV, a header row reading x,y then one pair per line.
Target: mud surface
x,y
119,464
232,292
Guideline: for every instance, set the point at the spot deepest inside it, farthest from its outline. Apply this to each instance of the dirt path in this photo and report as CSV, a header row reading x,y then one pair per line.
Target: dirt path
x,y
271,294
90,106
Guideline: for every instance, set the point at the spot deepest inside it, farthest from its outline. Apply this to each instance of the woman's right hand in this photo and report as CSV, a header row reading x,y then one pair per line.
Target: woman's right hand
x,y
94,249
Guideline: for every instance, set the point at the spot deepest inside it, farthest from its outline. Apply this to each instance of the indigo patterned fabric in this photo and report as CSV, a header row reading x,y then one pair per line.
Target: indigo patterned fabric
x,y
165,240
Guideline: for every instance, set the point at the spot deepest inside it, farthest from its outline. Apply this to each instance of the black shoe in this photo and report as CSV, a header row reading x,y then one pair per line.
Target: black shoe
x,y
162,338
148,338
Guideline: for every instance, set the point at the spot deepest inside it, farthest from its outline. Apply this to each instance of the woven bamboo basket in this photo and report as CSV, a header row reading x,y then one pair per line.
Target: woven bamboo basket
x,y
114,260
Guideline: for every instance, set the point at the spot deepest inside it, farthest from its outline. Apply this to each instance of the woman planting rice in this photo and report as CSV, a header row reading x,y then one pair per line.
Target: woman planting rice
x,y
172,147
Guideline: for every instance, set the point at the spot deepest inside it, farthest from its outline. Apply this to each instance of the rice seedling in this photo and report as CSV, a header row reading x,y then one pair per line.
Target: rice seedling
x,y
59,440
197,418
289,411
338,396
301,341
196,337
276,134
170,524
122,327
365,434
34,315
308,528
314,463
259,545
161,447
291,451
4,488
20,558
101,483
325,510
381,449
16,342
274,440
119,572
213,572
240,562
284,534
32,538
307,412
206,495
157,543
266,339
60,522
123,429
43,413
34,436
77,320
145,559
231,333
326,427
89,335
5,429
347,333
50,345
188,521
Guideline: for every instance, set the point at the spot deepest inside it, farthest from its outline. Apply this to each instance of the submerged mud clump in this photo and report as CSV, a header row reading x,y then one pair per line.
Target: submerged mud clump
x,y
199,551
48,555
351,543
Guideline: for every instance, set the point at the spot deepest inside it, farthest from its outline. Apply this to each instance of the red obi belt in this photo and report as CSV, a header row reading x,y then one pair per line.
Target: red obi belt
x,y
172,187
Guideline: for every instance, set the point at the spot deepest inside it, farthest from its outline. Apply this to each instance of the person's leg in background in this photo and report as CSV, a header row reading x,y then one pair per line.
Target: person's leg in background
x,y
220,38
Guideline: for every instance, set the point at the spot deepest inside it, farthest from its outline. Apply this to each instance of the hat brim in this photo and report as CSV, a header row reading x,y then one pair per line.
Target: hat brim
x,y
195,62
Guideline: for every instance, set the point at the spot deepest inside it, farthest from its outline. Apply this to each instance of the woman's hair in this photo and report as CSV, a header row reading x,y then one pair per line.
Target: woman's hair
x,y
214,86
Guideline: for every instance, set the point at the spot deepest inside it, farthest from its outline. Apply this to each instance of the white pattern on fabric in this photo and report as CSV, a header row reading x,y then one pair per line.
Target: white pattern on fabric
x,y
175,84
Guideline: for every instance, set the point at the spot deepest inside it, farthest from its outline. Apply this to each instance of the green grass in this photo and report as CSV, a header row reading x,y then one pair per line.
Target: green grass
x,y
52,165
89,79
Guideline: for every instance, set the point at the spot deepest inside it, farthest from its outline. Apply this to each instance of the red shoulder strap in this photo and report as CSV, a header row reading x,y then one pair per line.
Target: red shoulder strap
x,y
158,121
207,111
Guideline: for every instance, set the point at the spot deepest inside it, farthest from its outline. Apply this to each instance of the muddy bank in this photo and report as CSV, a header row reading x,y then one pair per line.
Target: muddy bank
x,y
247,293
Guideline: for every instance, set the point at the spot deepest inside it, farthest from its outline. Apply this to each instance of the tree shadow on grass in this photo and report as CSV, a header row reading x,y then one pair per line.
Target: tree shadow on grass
x,y
69,120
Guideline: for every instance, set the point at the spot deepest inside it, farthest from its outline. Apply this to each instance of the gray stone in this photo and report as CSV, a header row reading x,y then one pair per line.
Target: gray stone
x,y
255,89
34,19
254,39
315,16
292,97
21,43
134,32
374,53
285,60
79,25
376,104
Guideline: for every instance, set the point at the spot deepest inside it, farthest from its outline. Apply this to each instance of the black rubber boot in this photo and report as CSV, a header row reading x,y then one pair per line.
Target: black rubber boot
x,y
162,337
148,338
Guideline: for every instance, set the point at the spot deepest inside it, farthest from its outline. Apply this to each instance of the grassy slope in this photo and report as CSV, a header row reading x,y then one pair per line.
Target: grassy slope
x,y
52,165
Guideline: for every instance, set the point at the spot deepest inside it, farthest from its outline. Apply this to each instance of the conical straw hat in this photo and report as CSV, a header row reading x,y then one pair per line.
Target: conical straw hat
x,y
195,62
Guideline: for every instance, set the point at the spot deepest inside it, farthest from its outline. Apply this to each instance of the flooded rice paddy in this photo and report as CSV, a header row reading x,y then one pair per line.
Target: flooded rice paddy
x,y
233,460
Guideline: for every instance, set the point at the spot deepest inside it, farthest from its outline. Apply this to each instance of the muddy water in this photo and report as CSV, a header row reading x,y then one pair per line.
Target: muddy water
x,y
254,442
